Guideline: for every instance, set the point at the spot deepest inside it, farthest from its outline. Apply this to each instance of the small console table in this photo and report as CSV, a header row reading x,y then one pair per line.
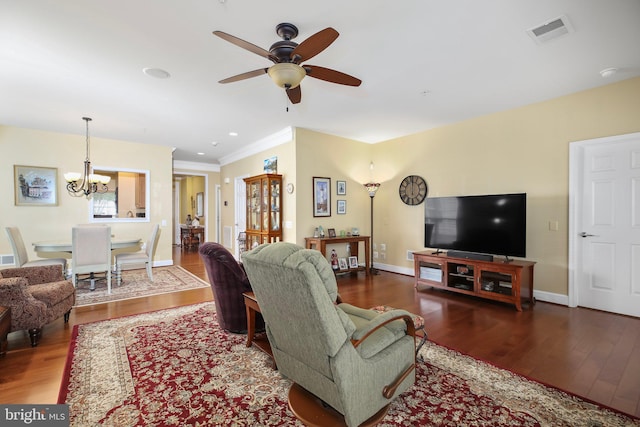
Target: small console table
x,y
320,244
509,282
191,236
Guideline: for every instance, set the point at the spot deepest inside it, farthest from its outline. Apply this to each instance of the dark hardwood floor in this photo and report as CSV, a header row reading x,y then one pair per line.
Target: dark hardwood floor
x,y
590,353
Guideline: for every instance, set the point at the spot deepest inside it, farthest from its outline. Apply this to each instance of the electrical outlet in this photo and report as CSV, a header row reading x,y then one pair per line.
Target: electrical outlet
x,y
409,255
374,246
375,254
383,246
383,255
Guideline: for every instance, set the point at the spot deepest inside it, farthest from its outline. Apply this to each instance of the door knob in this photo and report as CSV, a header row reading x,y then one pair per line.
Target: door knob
x,y
584,234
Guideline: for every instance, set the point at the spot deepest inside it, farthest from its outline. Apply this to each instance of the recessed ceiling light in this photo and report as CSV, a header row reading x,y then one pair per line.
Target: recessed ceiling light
x,y
200,154
158,73
233,133
608,72
214,143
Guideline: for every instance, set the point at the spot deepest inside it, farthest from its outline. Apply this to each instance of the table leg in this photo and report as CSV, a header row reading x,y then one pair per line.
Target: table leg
x,y
251,325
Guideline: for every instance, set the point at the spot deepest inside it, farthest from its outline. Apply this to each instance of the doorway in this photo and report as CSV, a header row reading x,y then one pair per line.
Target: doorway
x,y
191,197
604,224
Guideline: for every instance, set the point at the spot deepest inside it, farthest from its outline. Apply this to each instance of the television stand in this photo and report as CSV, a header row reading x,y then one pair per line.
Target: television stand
x,y
509,281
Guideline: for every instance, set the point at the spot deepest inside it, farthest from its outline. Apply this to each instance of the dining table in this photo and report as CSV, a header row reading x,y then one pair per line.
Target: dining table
x,y
67,246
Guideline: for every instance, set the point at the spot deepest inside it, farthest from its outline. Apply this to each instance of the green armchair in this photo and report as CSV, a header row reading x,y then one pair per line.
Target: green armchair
x,y
355,360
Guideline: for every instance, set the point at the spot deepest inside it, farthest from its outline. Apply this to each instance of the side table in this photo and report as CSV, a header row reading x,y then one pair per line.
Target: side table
x,y
261,341
5,327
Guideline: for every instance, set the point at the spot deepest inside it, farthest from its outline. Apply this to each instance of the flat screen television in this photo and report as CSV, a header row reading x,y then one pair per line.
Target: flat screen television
x,y
494,224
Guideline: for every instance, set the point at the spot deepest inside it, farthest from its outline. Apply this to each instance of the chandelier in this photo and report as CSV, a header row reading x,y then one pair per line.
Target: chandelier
x,y
87,183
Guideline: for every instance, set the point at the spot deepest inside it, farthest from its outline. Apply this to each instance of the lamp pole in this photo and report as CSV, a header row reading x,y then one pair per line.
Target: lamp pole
x,y
372,188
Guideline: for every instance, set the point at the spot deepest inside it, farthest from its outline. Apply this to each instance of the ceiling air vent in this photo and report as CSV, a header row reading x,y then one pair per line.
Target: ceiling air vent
x,y
550,30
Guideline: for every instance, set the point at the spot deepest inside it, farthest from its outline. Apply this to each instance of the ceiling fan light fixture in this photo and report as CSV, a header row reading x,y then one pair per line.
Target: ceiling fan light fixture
x,y
286,74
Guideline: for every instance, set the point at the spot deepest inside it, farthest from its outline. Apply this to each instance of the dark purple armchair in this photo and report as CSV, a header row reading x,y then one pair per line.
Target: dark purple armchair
x,y
228,282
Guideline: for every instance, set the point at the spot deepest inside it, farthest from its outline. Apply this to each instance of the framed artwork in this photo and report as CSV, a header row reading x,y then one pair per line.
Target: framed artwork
x,y
353,262
341,187
271,165
342,263
321,196
332,232
35,186
342,207
199,204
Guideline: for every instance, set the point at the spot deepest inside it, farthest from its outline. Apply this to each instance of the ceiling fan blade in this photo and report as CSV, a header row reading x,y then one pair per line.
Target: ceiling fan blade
x,y
330,75
295,95
243,76
245,45
314,45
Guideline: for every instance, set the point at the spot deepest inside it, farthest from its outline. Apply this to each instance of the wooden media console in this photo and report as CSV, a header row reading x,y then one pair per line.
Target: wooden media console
x,y
505,281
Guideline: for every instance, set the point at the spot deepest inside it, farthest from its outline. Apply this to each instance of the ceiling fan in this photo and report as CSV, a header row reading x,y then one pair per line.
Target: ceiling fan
x,y
287,56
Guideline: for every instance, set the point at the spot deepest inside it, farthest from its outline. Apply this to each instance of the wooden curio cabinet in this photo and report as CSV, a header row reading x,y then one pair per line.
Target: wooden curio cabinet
x,y
264,209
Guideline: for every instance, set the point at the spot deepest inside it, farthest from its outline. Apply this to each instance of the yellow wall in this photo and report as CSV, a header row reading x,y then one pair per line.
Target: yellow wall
x,y
520,150
341,159
254,165
66,153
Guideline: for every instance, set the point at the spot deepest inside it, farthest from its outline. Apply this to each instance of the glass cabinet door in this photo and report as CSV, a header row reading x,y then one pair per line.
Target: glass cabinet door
x,y
254,216
274,187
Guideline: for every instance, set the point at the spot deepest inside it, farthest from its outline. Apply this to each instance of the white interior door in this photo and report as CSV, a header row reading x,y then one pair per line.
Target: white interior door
x,y
606,235
241,210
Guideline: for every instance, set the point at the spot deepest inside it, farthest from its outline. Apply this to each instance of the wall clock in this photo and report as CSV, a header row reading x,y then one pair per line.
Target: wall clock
x,y
413,190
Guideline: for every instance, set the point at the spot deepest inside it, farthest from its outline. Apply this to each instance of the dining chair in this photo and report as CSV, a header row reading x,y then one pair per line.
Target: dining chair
x,y
91,254
21,259
144,256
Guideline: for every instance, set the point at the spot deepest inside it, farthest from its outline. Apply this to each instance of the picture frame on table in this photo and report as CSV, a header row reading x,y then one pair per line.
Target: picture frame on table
x,y
341,188
341,207
342,263
353,262
321,196
35,186
332,232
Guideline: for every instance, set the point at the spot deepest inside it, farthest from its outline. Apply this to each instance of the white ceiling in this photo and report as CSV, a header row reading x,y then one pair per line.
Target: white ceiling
x,y
423,63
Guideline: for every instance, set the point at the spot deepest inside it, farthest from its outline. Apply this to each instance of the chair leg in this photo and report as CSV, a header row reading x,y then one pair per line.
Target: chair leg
x,y
118,274
34,335
66,316
109,281
149,271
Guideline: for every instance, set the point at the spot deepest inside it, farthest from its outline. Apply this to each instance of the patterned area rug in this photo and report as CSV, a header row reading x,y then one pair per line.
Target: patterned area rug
x,y
136,284
177,367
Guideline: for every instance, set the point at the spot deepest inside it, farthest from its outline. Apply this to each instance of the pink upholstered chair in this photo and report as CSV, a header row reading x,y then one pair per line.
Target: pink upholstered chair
x,y
37,296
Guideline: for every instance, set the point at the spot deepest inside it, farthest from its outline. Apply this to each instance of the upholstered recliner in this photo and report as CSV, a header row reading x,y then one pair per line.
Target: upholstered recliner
x,y
355,360
36,296
228,282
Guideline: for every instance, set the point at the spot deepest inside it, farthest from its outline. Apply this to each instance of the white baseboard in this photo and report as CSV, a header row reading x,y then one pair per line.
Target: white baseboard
x,y
162,263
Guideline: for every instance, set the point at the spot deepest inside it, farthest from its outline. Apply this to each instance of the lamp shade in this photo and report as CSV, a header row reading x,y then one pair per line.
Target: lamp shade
x,y
286,74
372,187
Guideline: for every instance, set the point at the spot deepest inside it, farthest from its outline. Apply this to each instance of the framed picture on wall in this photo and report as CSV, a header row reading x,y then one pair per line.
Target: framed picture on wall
x,y
321,196
200,204
35,186
341,187
342,207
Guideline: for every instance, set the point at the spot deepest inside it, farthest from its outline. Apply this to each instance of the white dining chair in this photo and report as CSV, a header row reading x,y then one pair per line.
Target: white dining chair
x,y
91,254
20,257
145,256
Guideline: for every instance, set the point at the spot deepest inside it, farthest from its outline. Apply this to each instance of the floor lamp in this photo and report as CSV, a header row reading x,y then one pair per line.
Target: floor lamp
x,y
372,188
